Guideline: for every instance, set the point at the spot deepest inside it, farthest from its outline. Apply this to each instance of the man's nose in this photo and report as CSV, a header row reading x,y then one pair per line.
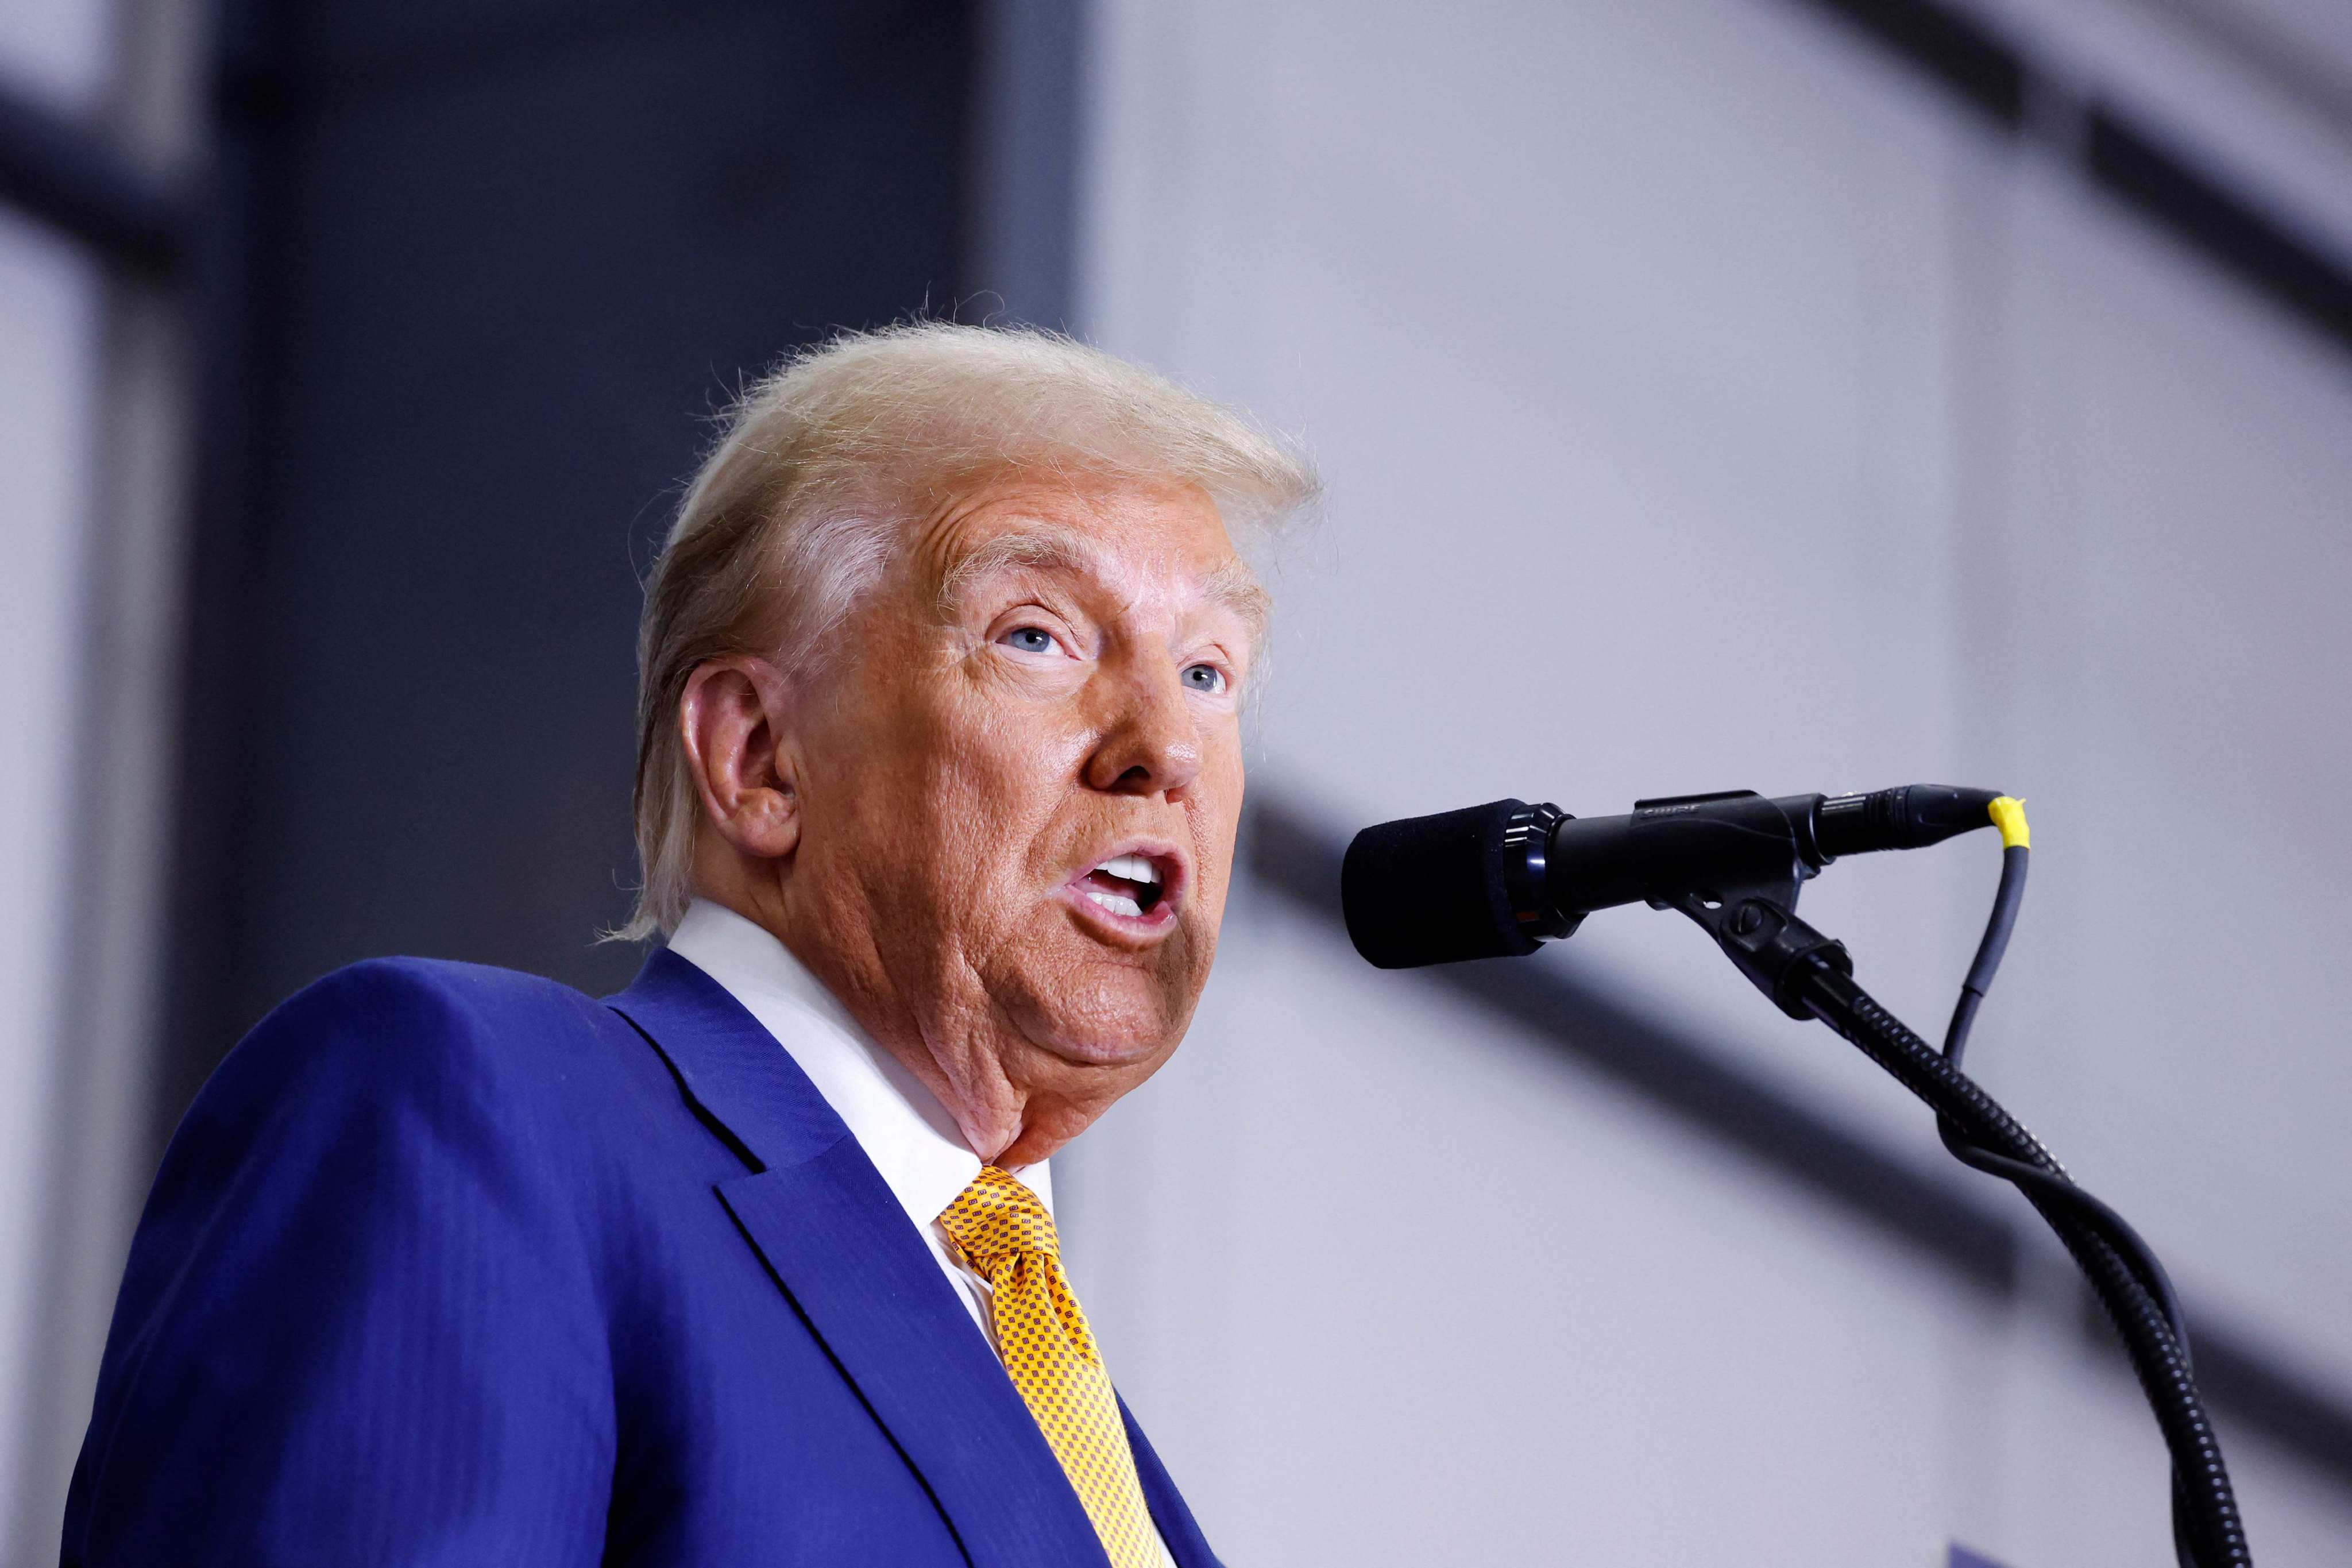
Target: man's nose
x,y
1150,742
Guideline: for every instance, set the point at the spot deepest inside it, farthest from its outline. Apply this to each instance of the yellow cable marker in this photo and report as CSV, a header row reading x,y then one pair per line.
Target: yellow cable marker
x,y
2009,815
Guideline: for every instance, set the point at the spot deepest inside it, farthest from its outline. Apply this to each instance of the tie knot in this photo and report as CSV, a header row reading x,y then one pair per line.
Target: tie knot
x,y
997,1218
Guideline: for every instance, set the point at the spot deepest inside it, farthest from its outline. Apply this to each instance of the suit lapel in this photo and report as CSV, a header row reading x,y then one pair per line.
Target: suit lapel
x,y
1185,1543
834,1238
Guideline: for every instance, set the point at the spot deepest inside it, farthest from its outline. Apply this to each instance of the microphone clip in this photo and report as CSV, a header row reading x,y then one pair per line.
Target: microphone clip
x,y
1767,943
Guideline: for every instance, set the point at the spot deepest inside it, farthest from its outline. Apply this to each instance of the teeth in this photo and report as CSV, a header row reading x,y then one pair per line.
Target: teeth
x,y
1117,903
1130,867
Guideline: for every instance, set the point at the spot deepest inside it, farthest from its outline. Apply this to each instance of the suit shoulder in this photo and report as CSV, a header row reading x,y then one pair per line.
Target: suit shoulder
x,y
476,988
389,1023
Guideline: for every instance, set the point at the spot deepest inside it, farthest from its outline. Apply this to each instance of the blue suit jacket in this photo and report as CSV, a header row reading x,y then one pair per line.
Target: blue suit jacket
x,y
454,1266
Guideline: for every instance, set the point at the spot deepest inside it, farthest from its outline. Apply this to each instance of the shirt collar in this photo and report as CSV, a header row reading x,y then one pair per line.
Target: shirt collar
x,y
904,1130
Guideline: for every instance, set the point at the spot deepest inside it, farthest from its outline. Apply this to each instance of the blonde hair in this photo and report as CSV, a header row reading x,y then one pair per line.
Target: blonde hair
x,y
822,464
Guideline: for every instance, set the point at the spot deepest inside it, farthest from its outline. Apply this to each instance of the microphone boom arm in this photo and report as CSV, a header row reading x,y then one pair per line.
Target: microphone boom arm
x,y
1810,975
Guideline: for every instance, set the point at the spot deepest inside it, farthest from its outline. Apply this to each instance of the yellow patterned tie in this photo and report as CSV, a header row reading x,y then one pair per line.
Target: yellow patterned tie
x,y
1008,1238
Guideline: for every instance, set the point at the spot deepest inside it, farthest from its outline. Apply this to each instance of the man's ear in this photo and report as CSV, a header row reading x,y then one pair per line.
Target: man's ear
x,y
731,719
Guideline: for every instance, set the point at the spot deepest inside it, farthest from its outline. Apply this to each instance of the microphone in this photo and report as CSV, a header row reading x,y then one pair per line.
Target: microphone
x,y
1496,881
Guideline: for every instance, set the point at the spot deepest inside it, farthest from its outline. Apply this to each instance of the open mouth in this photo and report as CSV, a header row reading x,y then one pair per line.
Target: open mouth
x,y
1130,885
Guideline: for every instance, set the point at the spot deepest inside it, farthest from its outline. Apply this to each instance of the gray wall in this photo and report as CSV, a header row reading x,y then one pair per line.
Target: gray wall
x,y
1709,404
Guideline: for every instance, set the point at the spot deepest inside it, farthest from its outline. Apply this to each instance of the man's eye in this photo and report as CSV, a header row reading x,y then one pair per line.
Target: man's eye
x,y
1031,639
1204,678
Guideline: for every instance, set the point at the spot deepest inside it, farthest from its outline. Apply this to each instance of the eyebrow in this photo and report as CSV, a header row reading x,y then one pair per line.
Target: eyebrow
x,y
1232,586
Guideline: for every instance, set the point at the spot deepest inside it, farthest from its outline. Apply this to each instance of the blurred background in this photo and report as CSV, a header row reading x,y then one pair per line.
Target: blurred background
x,y
1792,394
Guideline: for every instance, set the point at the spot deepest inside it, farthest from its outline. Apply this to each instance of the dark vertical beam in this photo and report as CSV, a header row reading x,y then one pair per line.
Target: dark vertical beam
x,y
1021,223
235,271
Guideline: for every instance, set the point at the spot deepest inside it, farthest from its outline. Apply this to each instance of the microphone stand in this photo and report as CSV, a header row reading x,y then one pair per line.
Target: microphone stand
x,y
1810,975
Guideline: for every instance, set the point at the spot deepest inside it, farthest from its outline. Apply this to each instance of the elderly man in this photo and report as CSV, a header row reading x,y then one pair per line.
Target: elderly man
x,y
755,1263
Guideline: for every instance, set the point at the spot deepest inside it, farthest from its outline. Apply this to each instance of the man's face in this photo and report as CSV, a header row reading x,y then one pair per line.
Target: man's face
x,y
1019,789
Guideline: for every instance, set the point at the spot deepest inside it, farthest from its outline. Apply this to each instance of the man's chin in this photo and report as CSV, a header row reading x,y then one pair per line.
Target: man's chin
x,y
1116,1022
1095,1038
1089,1002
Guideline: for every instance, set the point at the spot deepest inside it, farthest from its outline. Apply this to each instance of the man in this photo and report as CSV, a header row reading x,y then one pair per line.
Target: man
x,y
939,772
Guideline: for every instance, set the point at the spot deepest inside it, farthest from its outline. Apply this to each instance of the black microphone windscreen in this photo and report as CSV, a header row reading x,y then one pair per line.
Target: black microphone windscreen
x,y
1430,890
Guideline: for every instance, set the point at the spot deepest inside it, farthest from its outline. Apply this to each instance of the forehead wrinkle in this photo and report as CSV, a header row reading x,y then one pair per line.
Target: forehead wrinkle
x,y
1231,586
1030,549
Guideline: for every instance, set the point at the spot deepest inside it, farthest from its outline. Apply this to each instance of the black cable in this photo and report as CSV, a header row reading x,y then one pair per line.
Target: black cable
x,y
2202,1478
2060,1188
2006,900
2034,1181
